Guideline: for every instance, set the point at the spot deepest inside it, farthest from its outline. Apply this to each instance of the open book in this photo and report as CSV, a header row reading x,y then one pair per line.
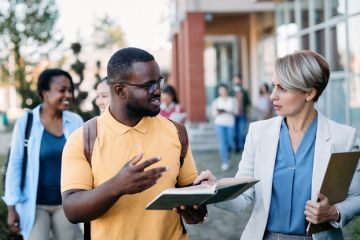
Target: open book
x,y
224,189
336,183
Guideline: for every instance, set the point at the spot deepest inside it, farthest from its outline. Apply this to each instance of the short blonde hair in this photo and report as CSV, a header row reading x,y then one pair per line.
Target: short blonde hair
x,y
302,71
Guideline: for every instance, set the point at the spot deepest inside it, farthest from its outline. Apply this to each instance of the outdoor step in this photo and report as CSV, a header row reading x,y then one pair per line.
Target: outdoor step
x,y
200,140
207,133
202,136
204,147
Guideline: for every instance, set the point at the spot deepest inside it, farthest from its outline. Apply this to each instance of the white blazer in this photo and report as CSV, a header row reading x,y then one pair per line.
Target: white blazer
x,y
258,160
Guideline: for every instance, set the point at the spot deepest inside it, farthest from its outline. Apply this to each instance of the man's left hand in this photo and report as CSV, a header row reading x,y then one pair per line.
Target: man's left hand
x,y
321,211
193,215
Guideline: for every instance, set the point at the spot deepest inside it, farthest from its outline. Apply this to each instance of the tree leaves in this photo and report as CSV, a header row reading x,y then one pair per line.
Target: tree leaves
x,y
27,30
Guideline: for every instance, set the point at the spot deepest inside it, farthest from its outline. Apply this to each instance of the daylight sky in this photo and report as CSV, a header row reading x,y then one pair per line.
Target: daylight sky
x,y
143,21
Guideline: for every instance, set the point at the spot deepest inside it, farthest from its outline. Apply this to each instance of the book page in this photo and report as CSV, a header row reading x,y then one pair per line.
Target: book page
x,y
196,189
226,182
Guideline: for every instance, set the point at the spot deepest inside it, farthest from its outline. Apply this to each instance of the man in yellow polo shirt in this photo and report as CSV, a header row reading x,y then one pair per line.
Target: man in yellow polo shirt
x,y
136,156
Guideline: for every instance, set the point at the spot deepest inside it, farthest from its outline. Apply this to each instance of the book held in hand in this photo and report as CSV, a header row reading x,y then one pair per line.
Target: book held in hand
x,y
224,189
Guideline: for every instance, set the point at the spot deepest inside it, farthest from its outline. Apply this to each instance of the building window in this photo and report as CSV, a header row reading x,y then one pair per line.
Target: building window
x,y
291,6
329,27
319,11
304,14
354,101
354,68
337,53
354,46
305,43
320,41
337,8
337,91
353,7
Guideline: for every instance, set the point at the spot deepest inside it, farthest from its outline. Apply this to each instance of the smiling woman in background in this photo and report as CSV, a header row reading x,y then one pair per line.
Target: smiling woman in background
x,y
36,210
289,154
170,106
103,95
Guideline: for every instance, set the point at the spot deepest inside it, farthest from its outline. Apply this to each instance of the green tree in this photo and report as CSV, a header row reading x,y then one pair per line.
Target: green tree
x,y
27,32
78,67
108,34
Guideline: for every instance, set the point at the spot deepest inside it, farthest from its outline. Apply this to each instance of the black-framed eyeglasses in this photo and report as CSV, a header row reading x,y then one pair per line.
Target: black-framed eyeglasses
x,y
151,86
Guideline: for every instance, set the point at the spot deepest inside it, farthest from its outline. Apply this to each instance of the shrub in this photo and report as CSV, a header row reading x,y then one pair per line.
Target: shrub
x,y
5,233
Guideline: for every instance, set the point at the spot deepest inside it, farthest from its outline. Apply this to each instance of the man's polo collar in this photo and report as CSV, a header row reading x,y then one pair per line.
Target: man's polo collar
x,y
121,128
143,125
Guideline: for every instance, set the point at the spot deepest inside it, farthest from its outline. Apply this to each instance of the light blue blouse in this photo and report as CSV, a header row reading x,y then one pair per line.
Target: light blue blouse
x,y
292,182
25,201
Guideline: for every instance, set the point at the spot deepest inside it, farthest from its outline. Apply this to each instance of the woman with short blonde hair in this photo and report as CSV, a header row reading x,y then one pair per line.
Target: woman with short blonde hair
x,y
303,71
290,154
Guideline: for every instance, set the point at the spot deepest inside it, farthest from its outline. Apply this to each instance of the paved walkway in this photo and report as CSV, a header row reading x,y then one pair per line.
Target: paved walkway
x,y
5,137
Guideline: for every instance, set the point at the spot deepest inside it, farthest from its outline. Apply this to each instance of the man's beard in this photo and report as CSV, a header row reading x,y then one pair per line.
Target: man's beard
x,y
135,108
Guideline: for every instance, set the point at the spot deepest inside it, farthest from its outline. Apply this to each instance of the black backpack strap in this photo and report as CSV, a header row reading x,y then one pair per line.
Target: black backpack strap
x,y
87,231
184,141
89,137
26,142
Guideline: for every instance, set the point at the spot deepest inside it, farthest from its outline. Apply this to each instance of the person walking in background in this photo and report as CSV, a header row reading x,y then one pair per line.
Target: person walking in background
x,y
241,120
289,154
136,156
36,210
224,109
170,107
103,95
263,107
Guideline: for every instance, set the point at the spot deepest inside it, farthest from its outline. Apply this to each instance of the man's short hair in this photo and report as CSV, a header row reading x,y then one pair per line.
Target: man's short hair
x,y
121,63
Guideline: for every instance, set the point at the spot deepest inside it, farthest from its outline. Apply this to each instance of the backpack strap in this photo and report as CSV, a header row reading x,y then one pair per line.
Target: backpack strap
x,y
29,121
89,137
184,141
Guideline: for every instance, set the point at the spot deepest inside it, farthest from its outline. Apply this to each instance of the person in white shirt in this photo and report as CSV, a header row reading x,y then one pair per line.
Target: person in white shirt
x,y
224,109
264,106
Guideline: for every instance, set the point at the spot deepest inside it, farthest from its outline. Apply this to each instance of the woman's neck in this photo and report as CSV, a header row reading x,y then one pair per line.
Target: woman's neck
x,y
49,113
302,121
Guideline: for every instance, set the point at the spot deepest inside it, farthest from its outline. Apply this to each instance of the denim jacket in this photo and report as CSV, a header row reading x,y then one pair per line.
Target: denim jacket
x,y
25,201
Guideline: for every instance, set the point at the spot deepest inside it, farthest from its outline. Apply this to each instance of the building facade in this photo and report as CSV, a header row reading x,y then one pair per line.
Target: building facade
x,y
331,28
212,40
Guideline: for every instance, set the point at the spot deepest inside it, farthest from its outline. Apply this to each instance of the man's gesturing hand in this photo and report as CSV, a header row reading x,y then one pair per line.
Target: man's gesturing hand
x,y
133,178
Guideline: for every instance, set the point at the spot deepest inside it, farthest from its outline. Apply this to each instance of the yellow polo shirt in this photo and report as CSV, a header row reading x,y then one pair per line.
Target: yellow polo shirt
x,y
115,145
